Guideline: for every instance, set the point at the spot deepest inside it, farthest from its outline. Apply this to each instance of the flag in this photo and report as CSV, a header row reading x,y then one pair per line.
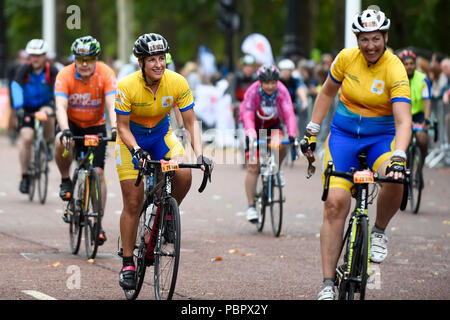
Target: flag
x,y
259,47
207,60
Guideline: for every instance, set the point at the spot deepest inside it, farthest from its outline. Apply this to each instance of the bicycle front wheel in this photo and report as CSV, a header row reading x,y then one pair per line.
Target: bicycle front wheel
x,y
416,182
41,169
93,213
167,250
75,215
276,204
357,256
260,206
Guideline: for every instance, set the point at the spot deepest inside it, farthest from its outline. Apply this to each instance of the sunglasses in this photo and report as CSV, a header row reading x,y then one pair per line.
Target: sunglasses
x,y
83,60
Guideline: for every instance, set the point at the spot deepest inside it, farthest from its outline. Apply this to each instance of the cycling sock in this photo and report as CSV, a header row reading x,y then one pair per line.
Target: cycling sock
x,y
127,261
328,282
377,229
25,176
63,180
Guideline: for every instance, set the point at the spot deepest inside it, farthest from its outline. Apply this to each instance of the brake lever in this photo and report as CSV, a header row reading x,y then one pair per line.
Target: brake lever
x,y
311,168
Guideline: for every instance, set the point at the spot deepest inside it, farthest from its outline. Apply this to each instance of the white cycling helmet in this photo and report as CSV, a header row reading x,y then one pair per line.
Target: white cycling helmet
x,y
370,20
36,46
286,64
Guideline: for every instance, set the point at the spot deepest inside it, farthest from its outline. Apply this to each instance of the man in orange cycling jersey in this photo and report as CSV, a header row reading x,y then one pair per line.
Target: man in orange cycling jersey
x,y
83,90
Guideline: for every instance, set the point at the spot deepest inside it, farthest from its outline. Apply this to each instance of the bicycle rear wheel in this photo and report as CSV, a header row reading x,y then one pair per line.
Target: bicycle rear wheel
x,y
276,205
416,182
75,215
41,169
167,251
93,213
139,258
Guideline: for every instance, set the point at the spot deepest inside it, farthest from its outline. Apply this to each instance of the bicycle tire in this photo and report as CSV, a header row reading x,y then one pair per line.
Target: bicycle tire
x,y
93,213
32,181
260,206
167,251
276,214
139,251
41,169
356,281
415,185
74,206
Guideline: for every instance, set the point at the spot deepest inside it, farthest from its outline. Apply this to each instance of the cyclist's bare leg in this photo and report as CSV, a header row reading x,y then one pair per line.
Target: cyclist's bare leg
x,y
389,199
336,209
101,176
181,184
132,204
63,163
26,141
422,140
251,179
49,125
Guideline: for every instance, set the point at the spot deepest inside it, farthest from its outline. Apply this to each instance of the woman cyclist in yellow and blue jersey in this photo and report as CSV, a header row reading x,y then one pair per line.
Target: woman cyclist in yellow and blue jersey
x,y
374,115
143,102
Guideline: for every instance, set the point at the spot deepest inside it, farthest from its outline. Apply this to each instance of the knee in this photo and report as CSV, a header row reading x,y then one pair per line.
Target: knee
x,y
335,210
252,169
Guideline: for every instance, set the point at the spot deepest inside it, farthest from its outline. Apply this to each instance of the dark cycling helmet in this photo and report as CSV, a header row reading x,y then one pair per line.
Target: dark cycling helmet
x,y
407,54
150,44
86,46
268,72
370,20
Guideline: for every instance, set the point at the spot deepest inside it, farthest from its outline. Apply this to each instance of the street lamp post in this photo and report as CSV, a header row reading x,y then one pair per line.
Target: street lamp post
x,y
291,44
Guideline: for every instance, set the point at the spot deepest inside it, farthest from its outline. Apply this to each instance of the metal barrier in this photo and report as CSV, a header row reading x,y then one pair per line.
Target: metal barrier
x,y
440,154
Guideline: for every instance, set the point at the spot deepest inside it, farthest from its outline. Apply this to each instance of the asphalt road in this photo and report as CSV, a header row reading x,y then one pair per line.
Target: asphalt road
x,y
223,256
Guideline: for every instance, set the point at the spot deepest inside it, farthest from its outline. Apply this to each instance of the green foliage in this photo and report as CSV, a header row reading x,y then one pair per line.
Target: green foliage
x,y
188,24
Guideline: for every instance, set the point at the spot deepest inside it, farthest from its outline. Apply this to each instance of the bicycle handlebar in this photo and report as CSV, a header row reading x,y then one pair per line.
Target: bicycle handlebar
x,y
81,138
206,173
295,152
377,178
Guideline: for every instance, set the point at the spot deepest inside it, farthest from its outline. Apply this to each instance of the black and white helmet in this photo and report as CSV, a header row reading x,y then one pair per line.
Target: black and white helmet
x,y
370,20
150,44
36,46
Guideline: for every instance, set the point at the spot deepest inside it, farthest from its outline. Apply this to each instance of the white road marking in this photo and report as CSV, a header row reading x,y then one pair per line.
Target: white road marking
x,y
38,295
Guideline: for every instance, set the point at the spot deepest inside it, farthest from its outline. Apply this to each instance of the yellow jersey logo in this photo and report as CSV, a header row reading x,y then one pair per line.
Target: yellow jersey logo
x,y
167,101
378,86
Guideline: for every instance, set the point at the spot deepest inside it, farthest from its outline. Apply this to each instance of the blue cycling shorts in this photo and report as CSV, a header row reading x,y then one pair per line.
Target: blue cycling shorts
x,y
160,142
349,136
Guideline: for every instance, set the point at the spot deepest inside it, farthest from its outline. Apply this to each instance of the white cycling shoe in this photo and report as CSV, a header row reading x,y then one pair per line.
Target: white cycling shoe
x,y
378,247
327,293
252,215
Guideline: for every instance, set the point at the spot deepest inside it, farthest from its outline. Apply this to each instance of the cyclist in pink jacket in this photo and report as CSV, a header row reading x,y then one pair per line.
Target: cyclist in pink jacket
x,y
265,106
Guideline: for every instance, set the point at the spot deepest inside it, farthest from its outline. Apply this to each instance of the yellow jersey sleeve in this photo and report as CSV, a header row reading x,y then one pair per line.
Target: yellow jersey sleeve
x,y
123,103
337,69
398,81
184,98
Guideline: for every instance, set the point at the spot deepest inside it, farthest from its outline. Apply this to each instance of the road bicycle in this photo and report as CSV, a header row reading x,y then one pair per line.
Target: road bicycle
x,y
353,273
414,163
159,231
84,209
38,167
270,193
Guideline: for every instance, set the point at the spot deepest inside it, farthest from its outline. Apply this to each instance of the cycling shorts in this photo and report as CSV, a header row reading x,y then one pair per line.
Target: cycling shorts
x,y
99,151
28,120
418,117
161,143
276,130
343,149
